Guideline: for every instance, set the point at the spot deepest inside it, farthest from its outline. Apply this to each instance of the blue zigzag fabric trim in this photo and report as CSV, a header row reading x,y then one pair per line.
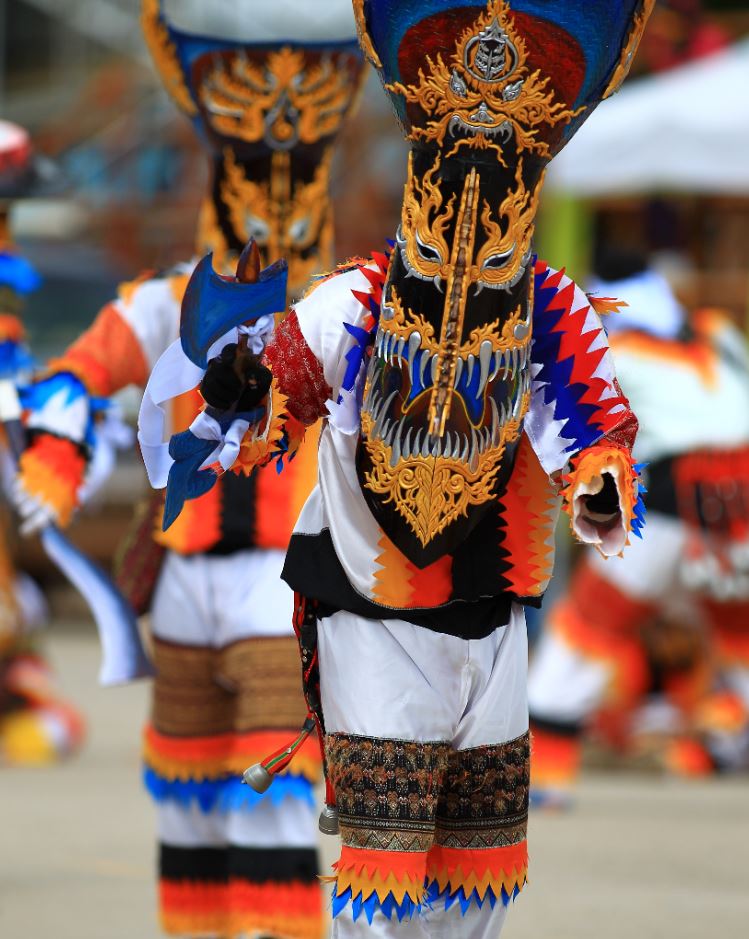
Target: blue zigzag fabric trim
x,y
372,904
433,896
226,795
640,510
449,897
579,428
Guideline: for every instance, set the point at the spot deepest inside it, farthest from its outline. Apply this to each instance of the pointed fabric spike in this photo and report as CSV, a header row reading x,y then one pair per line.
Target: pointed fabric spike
x,y
340,902
374,277
465,902
450,898
604,306
356,906
363,298
372,903
381,260
406,909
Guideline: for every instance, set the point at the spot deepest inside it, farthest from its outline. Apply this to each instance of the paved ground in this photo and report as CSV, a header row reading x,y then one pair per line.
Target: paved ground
x,y
639,859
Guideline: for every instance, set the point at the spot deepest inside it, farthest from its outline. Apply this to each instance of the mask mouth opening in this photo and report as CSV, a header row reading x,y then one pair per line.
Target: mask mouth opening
x,y
489,398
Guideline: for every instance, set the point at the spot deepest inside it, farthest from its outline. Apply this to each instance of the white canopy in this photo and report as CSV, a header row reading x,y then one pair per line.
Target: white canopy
x,y
686,130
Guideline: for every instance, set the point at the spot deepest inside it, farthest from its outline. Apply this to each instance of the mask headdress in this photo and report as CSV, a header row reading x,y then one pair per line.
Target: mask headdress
x,y
269,105
486,94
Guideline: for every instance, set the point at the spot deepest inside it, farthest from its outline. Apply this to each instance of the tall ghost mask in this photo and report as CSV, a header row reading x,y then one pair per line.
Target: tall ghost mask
x,y
268,89
486,95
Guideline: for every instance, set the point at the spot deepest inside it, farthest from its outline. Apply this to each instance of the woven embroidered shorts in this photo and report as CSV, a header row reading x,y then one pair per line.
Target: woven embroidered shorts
x,y
428,753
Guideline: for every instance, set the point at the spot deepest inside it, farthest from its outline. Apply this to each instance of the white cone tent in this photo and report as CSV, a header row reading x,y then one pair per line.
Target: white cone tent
x,y
686,130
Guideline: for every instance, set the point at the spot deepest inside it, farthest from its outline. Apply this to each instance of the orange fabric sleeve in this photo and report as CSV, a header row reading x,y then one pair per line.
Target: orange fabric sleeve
x,y
107,357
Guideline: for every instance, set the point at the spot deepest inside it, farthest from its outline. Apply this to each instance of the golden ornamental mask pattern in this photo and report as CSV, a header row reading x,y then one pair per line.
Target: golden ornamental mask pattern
x,y
283,101
269,114
485,96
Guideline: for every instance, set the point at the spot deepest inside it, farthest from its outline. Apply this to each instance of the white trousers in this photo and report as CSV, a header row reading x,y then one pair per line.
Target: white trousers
x,y
391,679
212,601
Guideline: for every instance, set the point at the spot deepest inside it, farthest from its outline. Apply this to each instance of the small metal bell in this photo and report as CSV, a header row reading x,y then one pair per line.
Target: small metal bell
x,y
257,777
328,822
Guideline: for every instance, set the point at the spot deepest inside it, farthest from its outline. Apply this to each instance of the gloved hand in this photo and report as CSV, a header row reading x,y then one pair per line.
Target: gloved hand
x,y
52,468
235,379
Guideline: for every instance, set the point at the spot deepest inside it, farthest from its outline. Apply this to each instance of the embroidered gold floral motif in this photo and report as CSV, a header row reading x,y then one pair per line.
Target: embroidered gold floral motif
x,y
505,252
283,101
287,217
431,492
486,95
630,50
165,55
424,222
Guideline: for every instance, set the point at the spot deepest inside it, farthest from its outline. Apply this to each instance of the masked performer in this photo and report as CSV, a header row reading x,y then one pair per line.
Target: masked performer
x,y
268,112
36,725
688,380
469,393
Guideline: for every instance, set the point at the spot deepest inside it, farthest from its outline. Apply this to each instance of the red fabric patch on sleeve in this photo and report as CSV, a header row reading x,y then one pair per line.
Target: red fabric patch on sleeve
x,y
297,372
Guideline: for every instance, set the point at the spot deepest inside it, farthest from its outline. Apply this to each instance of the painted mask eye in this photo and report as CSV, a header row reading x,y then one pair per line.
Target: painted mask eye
x,y
300,228
495,262
256,228
428,252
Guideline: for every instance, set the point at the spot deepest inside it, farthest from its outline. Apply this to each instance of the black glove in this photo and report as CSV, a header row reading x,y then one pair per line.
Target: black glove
x,y
605,502
224,389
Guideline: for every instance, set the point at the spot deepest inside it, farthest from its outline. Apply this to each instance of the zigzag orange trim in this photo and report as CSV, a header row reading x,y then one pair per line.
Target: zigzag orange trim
x,y
530,507
497,869
432,585
205,758
256,452
592,463
366,872
392,582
